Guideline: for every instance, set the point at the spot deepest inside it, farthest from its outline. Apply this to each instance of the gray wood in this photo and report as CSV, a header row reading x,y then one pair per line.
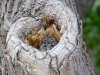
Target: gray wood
x,y
68,57
83,7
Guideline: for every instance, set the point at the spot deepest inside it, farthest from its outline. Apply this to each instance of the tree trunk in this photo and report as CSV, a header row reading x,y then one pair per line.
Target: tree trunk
x,y
20,17
83,6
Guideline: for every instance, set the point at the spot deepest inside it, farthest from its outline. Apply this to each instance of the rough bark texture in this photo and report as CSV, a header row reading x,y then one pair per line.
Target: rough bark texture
x,y
20,17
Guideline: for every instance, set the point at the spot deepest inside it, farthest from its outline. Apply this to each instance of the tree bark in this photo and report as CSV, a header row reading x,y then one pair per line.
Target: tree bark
x,y
20,17
83,7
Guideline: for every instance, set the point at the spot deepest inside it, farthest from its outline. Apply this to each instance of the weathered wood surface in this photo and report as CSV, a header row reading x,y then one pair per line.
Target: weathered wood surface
x,y
68,57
